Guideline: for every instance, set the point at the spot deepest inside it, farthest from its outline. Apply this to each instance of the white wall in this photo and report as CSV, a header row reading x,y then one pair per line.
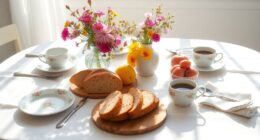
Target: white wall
x,y
234,21
5,19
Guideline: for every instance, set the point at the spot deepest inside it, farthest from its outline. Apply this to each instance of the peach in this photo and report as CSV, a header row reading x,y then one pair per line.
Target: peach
x,y
175,66
176,59
185,64
178,72
191,72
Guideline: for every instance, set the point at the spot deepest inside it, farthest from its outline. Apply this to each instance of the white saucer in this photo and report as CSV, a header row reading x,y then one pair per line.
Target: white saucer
x,y
124,51
216,66
46,102
46,68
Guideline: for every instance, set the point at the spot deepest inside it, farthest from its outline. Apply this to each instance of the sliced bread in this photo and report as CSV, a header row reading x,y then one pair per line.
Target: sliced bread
x,y
127,104
79,77
111,105
102,82
138,101
149,104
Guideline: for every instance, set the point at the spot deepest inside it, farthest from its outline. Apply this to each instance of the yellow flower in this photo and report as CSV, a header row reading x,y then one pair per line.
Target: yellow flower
x,y
114,13
66,24
84,32
146,53
131,59
150,33
134,48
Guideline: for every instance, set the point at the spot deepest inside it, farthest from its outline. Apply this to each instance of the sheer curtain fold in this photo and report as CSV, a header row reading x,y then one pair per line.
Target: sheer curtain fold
x,y
38,21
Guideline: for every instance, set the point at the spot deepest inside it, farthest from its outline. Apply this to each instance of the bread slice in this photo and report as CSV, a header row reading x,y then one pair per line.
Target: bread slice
x,y
79,77
102,82
150,102
138,100
127,104
111,105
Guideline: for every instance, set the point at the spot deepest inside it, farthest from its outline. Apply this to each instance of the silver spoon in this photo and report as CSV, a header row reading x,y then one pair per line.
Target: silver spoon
x,y
208,93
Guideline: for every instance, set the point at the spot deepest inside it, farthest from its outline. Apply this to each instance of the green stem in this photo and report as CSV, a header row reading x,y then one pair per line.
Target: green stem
x,y
97,57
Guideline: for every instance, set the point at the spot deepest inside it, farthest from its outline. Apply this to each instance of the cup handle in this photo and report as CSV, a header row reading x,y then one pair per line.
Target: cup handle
x,y
42,58
200,91
220,58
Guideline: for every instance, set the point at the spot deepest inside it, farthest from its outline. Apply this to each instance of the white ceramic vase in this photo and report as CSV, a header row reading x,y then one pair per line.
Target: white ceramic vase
x,y
147,67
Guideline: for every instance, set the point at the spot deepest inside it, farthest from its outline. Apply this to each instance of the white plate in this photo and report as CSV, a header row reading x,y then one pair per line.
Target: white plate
x,y
46,68
124,51
46,102
216,66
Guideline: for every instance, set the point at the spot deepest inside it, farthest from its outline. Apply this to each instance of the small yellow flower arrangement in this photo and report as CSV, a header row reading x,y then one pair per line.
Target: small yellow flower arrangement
x,y
136,49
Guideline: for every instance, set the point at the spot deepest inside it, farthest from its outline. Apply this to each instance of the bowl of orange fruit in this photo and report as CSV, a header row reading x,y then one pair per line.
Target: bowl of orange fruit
x,y
181,68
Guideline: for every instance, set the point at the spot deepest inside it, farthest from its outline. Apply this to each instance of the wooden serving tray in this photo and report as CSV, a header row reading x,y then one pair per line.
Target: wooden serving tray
x,y
80,92
141,125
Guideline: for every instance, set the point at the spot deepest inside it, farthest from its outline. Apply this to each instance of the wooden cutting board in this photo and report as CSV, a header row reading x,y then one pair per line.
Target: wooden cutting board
x,y
141,125
80,92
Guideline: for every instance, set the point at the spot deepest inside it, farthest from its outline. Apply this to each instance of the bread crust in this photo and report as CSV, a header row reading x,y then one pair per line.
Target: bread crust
x,y
127,104
115,103
79,77
102,82
138,101
146,108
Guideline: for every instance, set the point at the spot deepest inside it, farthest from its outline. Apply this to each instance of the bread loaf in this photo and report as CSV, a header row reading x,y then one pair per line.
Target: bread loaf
x,y
96,81
102,82
138,101
127,104
79,77
111,105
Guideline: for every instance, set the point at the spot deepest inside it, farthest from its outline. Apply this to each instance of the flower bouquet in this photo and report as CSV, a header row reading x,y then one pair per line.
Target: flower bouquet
x,y
98,32
141,53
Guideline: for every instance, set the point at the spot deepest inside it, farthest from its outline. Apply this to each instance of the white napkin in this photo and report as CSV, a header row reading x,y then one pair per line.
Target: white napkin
x,y
235,102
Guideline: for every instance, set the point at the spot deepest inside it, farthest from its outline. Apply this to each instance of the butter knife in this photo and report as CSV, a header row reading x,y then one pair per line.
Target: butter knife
x,y
63,122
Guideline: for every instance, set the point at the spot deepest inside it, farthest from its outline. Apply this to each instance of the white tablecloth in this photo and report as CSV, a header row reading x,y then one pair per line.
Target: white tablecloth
x,y
194,122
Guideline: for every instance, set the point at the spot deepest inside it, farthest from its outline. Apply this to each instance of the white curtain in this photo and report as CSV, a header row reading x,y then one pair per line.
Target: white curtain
x,y
38,21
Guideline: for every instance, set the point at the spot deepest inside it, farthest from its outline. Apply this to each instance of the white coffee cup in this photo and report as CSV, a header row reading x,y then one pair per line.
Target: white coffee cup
x,y
183,91
56,58
205,56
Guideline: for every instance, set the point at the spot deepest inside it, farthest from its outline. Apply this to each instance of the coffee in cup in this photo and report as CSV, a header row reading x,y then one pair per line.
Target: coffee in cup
x,y
205,56
183,91
56,58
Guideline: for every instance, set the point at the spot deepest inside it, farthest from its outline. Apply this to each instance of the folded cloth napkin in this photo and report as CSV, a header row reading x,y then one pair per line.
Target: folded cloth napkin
x,y
235,102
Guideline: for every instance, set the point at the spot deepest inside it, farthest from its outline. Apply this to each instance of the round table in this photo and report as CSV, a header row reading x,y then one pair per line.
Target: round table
x,y
194,122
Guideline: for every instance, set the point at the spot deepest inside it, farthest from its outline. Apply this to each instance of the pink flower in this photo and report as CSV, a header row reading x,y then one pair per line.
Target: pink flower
x,y
156,37
104,37
118,41
86,18
99,13
149,22
104,47
160,18
65,33
97,27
